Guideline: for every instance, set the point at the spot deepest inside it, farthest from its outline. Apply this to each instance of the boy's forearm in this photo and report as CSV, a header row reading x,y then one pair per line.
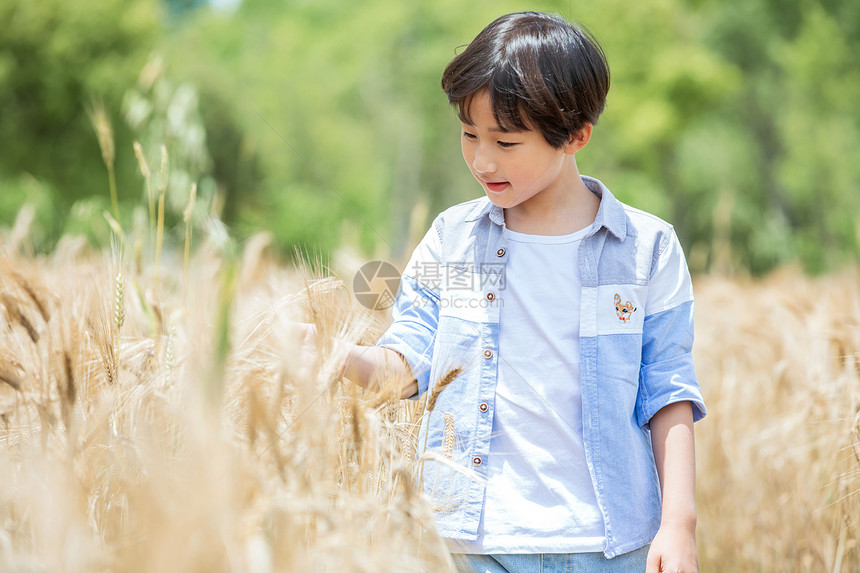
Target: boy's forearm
x,y
674,451
370,366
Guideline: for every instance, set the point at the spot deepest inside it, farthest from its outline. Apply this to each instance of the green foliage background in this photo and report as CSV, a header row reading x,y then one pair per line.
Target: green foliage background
x,y
323,121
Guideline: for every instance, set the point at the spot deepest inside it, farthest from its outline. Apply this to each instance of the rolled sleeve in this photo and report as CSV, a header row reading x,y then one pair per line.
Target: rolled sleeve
x,y
667,374
413,332
416,309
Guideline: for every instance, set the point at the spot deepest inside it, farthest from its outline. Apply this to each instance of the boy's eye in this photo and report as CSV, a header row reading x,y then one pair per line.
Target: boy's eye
x,y
507,144
468,135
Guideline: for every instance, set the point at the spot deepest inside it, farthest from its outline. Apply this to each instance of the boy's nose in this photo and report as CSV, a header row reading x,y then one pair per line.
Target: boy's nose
x,y
482,163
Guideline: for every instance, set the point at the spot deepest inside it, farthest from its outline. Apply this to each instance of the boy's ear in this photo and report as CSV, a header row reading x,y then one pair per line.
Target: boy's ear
x,y
579,139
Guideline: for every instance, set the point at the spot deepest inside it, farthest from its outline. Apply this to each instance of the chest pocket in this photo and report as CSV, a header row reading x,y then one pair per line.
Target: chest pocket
x,y
620,308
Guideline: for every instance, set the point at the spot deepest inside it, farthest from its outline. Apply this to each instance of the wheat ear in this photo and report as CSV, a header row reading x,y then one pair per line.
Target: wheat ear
x,y
8,376
31,292
449,435
446,380
449,377
16,314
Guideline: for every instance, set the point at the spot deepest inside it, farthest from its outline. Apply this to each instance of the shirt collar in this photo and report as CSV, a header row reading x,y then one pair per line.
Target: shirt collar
x,y
610,214
483,207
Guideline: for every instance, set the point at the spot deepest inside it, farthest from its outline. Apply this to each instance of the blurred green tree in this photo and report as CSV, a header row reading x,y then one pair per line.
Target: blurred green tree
x,y
324,123
357,144
54,56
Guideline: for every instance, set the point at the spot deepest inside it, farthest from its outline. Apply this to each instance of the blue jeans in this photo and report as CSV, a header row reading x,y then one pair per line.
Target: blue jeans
x,y
633,562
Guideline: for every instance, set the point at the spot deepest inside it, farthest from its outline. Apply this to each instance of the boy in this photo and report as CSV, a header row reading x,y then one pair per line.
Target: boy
x,y
571,315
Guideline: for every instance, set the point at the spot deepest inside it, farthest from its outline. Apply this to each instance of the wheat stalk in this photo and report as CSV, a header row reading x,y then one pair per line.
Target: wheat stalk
x,y
187,217
162,190
147,177
104,132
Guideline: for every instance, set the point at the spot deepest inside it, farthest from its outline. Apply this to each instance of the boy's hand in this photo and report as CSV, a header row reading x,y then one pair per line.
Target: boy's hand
x,y
361,364
673,550
308,337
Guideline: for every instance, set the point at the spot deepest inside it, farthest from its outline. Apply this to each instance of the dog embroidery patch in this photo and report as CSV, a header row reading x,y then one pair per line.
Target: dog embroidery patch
x,y
624,311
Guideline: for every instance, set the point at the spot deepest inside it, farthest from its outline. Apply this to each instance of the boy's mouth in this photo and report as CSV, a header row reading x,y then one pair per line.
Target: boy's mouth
x,y
495,186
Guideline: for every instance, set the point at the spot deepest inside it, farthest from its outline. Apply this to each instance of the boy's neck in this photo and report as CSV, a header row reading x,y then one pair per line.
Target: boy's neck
x,y
560,211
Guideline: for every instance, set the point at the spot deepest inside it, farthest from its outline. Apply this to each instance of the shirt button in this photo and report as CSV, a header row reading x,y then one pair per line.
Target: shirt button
x,y
500,253
491,297
488,353
484,407
476,460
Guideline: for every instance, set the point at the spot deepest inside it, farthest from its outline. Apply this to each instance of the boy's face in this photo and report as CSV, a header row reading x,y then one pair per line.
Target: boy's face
x,y
517,169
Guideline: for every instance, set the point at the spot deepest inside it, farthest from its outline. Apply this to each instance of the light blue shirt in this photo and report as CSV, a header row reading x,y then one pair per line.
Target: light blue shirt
x,y
636,336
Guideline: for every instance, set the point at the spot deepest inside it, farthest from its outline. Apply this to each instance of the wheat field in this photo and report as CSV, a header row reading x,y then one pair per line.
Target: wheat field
x,y
779,453
161,416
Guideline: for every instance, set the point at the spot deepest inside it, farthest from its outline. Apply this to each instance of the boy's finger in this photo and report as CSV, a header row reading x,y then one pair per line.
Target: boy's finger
x,y
652,565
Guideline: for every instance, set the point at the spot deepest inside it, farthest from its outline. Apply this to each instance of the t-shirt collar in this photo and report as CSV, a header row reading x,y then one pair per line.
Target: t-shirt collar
x,y
610,214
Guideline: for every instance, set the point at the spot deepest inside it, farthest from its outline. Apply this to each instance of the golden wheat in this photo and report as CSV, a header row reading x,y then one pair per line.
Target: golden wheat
x,y
779,363
116,457
120,453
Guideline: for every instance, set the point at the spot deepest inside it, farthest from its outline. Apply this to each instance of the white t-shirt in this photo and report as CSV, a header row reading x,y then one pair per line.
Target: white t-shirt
x,y
539,498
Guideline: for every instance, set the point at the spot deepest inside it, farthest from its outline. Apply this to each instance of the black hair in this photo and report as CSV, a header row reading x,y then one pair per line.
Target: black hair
x,y
540,71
